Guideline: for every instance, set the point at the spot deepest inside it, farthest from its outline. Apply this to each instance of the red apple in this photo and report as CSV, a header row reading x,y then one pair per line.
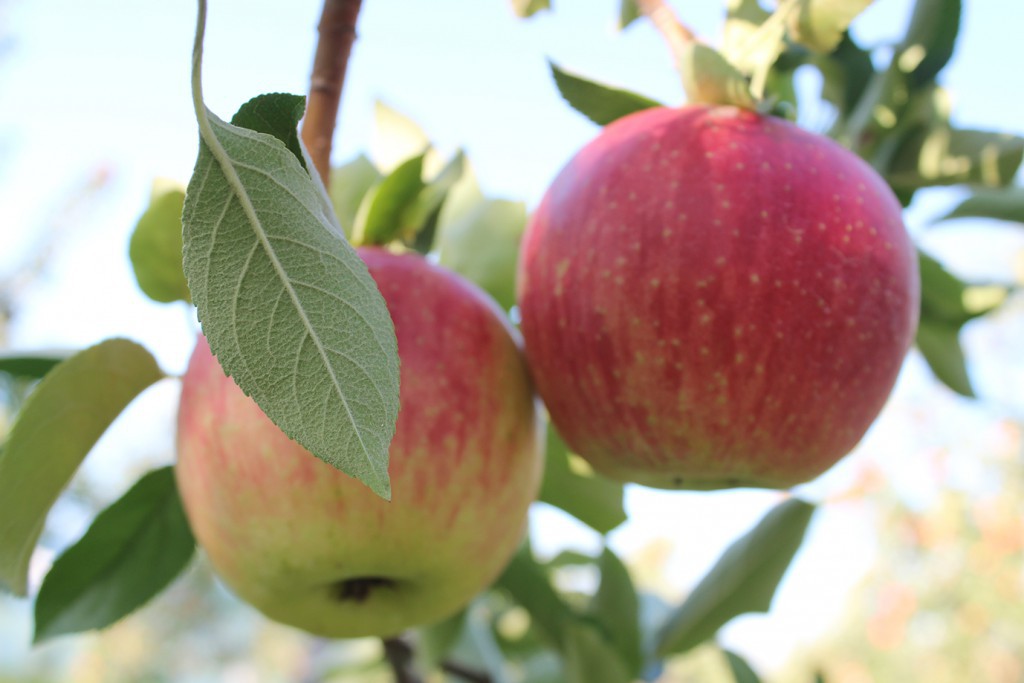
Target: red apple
x,y
314,548
715,298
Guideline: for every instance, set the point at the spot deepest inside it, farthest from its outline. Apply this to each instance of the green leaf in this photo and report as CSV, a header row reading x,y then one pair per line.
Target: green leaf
x,y
482,245
132,551
616,607
435,641
379,219
349,184
589,658
709,78
61,420
155,247
820,24
527,8
278,115
754,40
395,138
929,41
743,580
600,103
29,365
287,306
939,343
941,155
740,669
421,218
527,583
847,71
947,299
1003,205
584,494
629,11
476,646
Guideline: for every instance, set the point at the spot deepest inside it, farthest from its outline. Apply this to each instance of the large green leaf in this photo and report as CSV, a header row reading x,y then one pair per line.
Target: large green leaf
x,y
132,551
379,219
587,496
155,247
947,299
275,115
600,103
420,220
349,184
61,420
743,580
820,24
939,343
287,306
1003,205
616,607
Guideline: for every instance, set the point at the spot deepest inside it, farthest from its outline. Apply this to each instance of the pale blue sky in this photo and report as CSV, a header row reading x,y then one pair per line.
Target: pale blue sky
x,y
104,84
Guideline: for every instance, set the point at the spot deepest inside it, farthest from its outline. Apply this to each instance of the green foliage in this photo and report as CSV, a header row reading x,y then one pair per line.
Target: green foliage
x,y
584,494
1003,205
275,115
741,670
285,301
616,608
527,8
820,24
379,219
743,580
709,78
29,366
349,184
602,104
155,247
131,552
61,420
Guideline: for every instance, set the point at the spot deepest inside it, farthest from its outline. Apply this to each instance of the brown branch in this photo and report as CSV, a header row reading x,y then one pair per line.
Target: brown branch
x,y
399,655
676,33
337,32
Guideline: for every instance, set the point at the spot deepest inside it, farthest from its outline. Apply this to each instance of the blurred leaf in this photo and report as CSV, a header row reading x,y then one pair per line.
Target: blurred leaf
x,y
155,248
570,558
616,607
421,219
929,41
589,658
820,24
941,155
56,428
527,8
435,641
395,138
847,71
481,242
600,103
586,495
709,78
528,584
939,343
30,366
132,551
1004,205
741,670
743,18
283,298
379,219
755,39
476,646
629,12
276,114
349,184
947,299
743,580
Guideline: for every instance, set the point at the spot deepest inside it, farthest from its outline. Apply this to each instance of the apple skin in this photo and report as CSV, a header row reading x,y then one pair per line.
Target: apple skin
x,y
713,298
314,548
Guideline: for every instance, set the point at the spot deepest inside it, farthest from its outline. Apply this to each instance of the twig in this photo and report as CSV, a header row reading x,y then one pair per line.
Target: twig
x,y
465,673
399,656
676,34
337,32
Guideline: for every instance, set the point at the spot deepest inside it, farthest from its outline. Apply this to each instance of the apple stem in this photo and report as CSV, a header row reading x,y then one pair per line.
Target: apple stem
x,y
336,34
677,34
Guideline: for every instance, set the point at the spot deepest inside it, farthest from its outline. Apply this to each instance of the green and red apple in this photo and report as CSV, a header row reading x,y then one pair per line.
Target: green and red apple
x,y
316,549
712,298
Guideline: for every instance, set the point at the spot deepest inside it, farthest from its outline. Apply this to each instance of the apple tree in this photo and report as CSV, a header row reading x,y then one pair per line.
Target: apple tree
x,y
392,366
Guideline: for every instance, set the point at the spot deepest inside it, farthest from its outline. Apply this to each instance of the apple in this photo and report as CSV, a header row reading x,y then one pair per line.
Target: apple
x,y
714,298
314,548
